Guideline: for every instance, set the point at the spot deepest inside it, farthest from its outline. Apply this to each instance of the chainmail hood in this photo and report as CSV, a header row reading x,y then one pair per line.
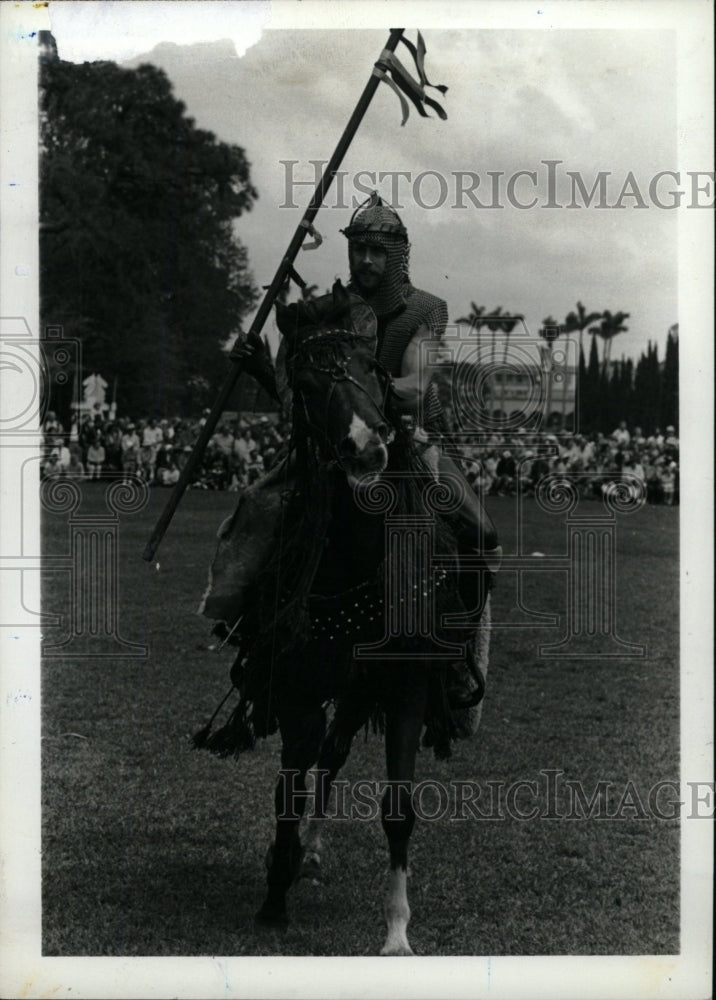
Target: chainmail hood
x,y
376,223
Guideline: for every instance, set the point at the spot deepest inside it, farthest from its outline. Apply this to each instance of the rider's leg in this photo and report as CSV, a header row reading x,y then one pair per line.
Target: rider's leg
x,y
475,529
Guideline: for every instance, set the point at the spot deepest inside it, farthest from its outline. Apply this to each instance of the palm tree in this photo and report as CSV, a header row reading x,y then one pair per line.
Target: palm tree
x,y
475,319
580,320
610,326
493,322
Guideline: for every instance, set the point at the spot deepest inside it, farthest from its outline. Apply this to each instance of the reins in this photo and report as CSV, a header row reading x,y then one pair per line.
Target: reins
x,y
337,371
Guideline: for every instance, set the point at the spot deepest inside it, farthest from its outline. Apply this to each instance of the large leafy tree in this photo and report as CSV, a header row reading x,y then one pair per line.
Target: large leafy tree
x,y
139,256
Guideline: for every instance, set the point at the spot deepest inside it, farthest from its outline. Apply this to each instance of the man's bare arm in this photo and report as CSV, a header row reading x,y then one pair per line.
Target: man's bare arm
x,y
416,373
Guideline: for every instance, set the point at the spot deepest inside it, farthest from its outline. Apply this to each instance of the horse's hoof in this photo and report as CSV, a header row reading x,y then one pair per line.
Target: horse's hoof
x,y
311,869
395,948
272,916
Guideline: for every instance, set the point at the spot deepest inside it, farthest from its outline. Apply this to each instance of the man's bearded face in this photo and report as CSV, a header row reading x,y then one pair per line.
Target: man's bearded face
x,y
368,264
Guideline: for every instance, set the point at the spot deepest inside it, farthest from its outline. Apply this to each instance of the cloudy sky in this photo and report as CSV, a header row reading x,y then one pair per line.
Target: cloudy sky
x,y
597,93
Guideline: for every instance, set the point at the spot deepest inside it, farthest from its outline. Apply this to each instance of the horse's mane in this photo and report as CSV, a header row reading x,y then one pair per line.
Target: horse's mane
x,y
284,585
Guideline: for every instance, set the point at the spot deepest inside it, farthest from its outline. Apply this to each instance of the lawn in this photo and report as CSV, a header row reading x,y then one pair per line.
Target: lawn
x,y
151,848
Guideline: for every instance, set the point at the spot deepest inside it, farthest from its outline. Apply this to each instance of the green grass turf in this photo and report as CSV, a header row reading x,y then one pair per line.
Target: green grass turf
x,y
150,848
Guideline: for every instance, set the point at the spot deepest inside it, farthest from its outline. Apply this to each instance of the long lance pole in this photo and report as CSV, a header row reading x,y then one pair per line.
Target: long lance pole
x,y
267,303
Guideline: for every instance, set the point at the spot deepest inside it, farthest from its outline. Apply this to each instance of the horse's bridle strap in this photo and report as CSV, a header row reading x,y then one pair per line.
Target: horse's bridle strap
x,y
338,372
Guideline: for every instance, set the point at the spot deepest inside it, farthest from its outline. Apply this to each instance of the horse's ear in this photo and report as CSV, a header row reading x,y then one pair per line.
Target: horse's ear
x,y
341,298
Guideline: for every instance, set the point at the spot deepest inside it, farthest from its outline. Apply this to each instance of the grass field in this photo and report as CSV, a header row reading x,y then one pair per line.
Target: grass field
x,y
150,848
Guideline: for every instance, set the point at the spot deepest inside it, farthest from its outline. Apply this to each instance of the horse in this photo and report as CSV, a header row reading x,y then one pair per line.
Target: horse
x,y
329,589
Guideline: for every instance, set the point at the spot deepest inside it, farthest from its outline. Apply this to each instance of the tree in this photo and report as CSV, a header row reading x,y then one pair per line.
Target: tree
x,y
648,390
670,380
611,325
580,320
493,322
592,390
139,258
475,319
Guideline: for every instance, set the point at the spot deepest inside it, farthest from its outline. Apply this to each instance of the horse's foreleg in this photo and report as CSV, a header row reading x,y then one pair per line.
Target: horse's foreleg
x,y
404,721
301,736
351,714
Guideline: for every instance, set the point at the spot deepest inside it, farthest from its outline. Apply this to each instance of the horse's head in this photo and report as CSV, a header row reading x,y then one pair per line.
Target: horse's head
x,y
339,389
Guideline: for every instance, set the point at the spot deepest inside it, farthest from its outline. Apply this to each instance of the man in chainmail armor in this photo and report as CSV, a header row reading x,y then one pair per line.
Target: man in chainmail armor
x,y
378,252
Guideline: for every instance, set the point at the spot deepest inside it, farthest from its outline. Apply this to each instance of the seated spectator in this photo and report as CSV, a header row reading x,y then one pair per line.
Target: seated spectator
x,y
539,468
269,458
638,440
656,440
130,452
168,474
182,456
164,456
482,482
239,477
652,480
621,435
633,474
667,475
506,471
244,445
223,440
60,449
113,449
52,425
85,435
471,466
95,460
256,468
490,468
671,442
76,468
49,465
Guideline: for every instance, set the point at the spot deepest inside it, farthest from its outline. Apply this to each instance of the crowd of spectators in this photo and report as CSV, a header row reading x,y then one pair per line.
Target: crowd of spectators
x,y
97,447
242,450
508,464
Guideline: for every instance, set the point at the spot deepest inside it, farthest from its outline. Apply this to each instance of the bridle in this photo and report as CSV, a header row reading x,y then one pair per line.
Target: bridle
x,y
337,370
